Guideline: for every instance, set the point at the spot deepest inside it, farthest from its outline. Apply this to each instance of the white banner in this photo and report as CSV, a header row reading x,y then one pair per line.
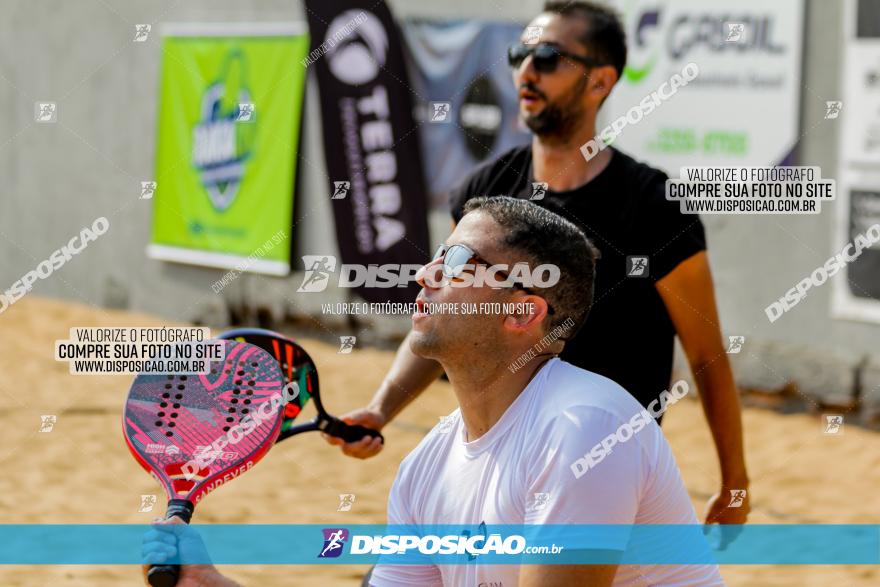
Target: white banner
x,y
856,293
741,109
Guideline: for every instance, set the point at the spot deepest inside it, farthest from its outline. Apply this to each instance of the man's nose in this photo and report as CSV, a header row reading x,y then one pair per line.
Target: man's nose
x,y
526,72
431,274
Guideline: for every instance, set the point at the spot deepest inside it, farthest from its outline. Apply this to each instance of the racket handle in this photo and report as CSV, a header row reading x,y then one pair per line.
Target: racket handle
x,y
167,575
349,432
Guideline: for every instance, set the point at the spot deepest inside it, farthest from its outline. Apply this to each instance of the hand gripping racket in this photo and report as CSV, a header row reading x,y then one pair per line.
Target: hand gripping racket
x,y
297,365
193,433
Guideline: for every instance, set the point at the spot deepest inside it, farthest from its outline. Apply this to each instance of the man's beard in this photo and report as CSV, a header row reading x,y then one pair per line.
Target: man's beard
x,y
558,120
427,345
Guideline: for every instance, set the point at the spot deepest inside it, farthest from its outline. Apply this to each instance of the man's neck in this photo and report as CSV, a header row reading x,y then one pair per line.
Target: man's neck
x,y
485,394
560,163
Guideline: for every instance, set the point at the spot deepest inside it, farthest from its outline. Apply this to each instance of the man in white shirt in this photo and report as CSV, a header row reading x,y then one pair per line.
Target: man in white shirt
x,y
528,424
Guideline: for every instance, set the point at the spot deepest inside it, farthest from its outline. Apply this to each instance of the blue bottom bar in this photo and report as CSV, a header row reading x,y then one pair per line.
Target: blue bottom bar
x,y
295,544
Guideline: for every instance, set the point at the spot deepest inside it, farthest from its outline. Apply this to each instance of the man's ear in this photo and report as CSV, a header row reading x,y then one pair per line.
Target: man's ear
x,y
527,312
602,80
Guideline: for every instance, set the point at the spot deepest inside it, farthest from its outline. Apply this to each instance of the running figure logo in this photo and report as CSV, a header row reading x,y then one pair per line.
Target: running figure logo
x,y
147,503
148,188
445,425
540,501
533,34
318,270
245,112
735,31
440,111
346,344
346,500
47,423
736,498
539,190
833,424
141,32
636,266
340,190
735,344
45,112
334,541
832,109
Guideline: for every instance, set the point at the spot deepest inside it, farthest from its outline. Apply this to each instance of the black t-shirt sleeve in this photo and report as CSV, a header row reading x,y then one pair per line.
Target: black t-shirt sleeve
x,y
672,236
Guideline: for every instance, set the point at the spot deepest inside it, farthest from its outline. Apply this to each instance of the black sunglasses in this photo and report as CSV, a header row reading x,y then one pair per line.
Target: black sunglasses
x,y
459,258
544,57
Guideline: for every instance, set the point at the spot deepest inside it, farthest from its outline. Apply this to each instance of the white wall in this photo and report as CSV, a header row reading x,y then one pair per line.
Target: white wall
x,y
57,178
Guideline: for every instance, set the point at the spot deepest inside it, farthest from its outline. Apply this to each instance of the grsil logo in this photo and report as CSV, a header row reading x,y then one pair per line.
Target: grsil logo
x,y
646,46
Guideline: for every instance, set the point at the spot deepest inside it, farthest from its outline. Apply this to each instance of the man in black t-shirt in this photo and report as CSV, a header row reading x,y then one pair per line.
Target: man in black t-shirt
x,y
628,336
653,279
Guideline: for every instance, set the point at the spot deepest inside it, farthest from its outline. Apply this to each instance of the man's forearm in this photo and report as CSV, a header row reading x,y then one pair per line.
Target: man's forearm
x,y
721,406
408,377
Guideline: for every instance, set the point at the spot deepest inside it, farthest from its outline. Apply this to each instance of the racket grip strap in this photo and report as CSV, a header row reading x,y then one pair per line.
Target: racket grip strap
x,y
181,508
349,432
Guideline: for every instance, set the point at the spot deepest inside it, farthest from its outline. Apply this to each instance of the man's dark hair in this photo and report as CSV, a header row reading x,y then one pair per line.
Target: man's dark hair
x,y
542,236
604,37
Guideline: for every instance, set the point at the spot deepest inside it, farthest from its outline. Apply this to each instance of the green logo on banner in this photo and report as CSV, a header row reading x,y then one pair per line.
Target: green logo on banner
x,y
223,139
229,118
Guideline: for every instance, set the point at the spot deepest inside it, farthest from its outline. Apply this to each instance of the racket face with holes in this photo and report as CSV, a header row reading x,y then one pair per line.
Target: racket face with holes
x,y
296,365
172,420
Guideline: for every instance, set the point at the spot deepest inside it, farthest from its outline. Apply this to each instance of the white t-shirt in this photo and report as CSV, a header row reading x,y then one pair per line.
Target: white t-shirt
x,y
559,417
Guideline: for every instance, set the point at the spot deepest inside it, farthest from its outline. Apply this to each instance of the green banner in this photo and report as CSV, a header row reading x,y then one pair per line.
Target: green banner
x,y
229,118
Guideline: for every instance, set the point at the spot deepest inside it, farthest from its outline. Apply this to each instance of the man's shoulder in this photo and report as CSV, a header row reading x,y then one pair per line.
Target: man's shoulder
x,y
570,394
640,175
579,411
644,188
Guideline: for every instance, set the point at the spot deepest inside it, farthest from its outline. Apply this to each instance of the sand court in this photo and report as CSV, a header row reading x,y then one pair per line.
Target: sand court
x,y
81,472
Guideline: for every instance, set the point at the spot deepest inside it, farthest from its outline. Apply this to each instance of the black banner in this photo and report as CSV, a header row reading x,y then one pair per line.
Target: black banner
x,y
863,274
371,143
463,62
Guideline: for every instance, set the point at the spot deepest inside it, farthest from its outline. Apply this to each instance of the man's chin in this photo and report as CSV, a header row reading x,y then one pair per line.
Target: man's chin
x,y
528,114
423,344
536,122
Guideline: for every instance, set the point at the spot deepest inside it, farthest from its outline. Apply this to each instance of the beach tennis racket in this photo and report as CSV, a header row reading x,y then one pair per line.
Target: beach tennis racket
x,y
193,433
296,365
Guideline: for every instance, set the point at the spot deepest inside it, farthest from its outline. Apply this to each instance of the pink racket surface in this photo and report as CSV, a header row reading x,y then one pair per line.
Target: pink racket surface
x,y
194,433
